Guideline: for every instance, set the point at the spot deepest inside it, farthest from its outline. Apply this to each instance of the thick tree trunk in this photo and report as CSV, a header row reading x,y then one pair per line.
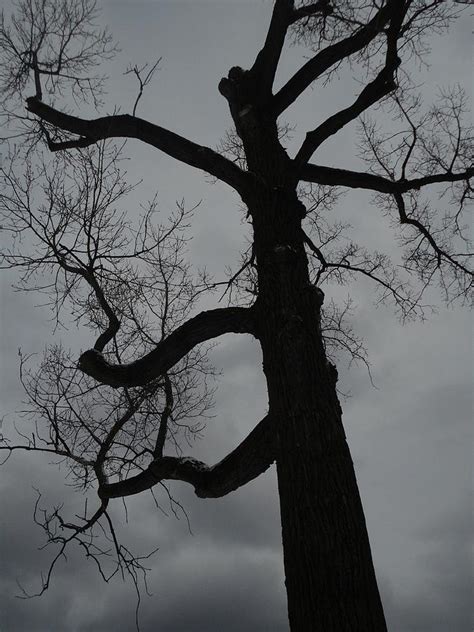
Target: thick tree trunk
x,y
330,578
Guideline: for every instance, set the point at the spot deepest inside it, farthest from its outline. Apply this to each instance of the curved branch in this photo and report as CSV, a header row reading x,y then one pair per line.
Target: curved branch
x,y
168,352
249,459
88,275
127,126
114,323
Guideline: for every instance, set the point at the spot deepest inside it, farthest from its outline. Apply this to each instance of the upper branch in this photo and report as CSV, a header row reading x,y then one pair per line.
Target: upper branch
x,y
326,58
249,459
266,63
127,126
170,350
379,87
373,92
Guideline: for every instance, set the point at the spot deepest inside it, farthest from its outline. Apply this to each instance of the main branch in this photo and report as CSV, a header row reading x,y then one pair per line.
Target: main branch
x,y
320,174
128,126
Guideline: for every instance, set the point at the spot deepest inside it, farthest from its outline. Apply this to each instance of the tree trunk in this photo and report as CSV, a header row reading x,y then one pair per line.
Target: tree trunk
x,y
330,578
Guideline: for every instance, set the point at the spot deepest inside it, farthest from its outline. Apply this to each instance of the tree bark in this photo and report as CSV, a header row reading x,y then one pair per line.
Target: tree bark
x,y
330,578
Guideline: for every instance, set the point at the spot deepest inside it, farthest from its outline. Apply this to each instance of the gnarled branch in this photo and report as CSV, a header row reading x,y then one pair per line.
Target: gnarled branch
x,y
249,459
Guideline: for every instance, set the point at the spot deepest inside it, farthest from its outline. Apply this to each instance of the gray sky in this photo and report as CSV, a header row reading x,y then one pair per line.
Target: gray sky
x,y
410,437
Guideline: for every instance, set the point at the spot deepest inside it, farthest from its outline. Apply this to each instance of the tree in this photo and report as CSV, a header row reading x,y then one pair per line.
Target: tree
x,y
294,251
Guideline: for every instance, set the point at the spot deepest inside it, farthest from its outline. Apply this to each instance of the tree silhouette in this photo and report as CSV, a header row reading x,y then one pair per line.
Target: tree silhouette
x,y
143,385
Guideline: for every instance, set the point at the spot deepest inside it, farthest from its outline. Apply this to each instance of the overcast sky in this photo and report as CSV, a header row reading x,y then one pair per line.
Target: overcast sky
x,y
410,437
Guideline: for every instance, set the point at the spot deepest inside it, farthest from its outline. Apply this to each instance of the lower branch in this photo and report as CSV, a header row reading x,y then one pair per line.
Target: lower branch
x,y
249,459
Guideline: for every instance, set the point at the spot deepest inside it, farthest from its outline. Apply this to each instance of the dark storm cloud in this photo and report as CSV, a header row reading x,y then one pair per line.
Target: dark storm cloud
x,y
412,441
23,562
196,590
443,598
199,581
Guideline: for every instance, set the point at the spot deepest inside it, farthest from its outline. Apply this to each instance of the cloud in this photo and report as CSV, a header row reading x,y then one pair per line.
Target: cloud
x,y
440,597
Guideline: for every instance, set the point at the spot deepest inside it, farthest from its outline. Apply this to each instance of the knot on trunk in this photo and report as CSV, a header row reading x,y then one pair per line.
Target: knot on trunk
x,y
317,295
232,87
332,370
290,197
284,251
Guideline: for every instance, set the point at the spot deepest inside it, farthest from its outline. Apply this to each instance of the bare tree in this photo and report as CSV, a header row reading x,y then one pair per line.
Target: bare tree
x,y
276,293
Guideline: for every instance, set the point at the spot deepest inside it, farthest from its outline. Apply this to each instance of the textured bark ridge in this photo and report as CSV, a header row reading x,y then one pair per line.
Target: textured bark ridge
x,y
326,547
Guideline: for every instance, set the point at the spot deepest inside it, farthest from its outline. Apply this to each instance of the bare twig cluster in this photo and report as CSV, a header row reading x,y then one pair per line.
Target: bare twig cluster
x,y
130,283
